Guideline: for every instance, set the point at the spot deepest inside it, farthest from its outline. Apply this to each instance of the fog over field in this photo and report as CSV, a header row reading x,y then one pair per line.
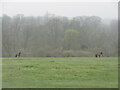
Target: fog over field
x,y
59,29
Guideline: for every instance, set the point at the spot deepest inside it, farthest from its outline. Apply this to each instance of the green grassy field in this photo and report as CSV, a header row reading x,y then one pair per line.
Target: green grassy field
x,y
71,72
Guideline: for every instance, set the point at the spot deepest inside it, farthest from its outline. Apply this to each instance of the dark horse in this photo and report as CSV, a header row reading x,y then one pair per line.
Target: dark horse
x,y
18,54
99,54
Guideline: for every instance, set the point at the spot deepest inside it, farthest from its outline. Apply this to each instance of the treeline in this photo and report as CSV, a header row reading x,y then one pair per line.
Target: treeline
x,y
57,36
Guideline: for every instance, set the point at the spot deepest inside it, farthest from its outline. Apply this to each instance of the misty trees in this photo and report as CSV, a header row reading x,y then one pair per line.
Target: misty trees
x,y
52,35
71,39
6,32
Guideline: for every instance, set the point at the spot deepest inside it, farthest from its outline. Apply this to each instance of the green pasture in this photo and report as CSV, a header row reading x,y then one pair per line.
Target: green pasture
x,y
60,72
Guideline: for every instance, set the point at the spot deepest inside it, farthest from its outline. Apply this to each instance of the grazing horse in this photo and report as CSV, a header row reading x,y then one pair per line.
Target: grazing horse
x,y
98,54
18,54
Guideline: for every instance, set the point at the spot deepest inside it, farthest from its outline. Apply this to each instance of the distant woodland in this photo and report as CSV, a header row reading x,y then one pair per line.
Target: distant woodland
x,y
58,36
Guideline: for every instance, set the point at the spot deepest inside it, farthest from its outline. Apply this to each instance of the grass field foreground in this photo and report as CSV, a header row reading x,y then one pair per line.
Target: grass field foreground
x,y
69,72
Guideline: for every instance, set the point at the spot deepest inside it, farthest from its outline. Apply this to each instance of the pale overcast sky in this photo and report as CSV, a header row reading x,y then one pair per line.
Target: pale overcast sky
x,y
107,10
